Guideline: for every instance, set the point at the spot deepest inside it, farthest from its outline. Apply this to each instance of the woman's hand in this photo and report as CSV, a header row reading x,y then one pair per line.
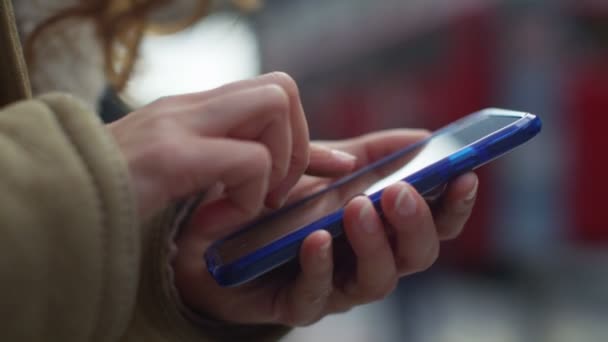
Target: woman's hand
x,y
332,278
250,136
249,139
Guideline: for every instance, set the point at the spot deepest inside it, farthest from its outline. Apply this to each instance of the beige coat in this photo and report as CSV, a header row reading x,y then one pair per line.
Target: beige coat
x,y
75,264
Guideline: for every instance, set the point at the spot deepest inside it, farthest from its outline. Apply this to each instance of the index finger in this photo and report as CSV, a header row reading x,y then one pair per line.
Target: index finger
x,y
299,153
299,131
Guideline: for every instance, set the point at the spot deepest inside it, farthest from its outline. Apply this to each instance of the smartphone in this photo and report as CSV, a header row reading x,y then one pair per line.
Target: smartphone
x,y
462,146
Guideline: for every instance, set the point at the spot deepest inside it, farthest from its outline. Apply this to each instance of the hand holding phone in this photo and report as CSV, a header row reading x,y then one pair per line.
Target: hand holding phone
x,y
451,151
332,276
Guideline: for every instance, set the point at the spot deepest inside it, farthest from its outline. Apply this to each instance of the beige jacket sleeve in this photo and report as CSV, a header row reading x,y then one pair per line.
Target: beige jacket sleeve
x,y
75,264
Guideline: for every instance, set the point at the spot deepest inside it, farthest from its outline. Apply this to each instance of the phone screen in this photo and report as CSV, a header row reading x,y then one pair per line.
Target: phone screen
x,y
367,181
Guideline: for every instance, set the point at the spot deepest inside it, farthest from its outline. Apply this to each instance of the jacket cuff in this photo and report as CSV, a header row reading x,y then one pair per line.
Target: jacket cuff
x,y
160,308
120,235
160,313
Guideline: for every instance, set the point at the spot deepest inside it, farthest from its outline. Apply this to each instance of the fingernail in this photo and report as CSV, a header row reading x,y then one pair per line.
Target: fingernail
x,y
464,205
405,203
324,250
366,218
343,156
471,195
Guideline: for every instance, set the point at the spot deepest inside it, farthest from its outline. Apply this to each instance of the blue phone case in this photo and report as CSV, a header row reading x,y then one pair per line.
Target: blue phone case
x,y
466,159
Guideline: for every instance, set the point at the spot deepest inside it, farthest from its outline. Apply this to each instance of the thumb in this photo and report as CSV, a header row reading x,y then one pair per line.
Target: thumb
x,y
328,162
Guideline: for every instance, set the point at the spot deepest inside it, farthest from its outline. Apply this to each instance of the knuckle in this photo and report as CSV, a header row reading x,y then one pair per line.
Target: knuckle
x,y
279,170
260,158
382,291
413,264
163,101
164,149
286,82
161,124
430,258
278,99
300,161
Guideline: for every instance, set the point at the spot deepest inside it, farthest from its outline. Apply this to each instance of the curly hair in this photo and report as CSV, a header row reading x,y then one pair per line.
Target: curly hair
x,y
120,26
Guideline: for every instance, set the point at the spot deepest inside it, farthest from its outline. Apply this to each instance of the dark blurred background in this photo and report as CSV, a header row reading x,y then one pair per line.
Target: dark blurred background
x,y
532,264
